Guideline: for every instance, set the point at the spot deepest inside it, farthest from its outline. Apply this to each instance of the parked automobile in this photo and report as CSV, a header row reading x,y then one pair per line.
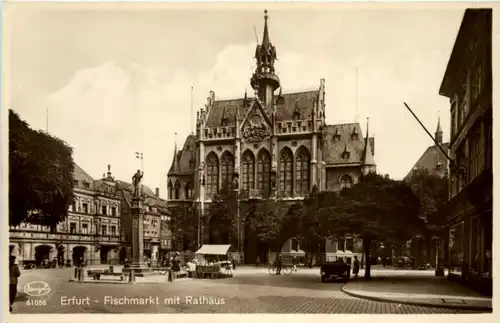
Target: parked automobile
x,y
404,262
337,270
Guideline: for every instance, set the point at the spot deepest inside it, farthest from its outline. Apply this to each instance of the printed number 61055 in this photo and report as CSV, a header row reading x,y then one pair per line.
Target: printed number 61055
x,y
36,302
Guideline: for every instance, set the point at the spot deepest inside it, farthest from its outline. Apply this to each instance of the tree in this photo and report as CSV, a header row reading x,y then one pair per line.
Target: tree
x,y
313,228
274,222
374,209
40,176
222,215
432,190
184,227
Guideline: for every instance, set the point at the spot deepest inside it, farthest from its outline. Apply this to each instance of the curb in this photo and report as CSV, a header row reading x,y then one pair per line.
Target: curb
x,y
119,282
393,301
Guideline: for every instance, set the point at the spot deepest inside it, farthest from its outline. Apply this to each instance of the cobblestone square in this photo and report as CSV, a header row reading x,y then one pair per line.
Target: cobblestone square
x,y
251,290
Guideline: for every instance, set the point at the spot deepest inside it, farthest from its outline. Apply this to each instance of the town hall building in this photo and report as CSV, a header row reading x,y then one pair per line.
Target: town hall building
x,y
270,144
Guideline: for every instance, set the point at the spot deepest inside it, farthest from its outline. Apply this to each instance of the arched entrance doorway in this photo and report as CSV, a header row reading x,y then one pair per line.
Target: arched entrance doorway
x,y
42,253
218,232
79,255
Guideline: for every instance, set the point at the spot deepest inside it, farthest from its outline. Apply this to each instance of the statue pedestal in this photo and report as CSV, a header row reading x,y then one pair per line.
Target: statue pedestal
x,y
138,267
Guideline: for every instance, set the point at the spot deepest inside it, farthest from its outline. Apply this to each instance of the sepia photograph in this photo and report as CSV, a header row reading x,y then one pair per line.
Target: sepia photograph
x,y
239,158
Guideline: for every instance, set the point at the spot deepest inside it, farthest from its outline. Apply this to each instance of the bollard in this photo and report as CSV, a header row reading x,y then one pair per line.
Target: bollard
x,y
131,276
170,276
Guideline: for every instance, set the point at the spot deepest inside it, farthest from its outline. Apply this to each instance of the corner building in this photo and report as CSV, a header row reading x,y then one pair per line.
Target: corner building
x,y
273,144
468,85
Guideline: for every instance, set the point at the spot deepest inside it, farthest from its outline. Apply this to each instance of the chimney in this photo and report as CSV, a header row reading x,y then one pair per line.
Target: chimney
x,y
157,192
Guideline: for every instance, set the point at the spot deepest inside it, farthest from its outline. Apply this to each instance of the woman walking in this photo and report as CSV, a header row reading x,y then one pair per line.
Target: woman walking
x,y
14,273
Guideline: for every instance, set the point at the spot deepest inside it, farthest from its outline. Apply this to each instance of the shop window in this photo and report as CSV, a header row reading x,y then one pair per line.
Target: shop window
x,y
456,245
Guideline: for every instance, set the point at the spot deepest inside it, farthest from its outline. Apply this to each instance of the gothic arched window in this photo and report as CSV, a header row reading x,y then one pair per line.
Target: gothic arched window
x,y
212,180
286,166
248,170
189,190
227,170
170,192
177,190
263,172
346,181
302,163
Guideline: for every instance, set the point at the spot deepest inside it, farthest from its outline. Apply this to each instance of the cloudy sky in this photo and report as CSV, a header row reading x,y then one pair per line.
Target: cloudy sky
x,y
116,79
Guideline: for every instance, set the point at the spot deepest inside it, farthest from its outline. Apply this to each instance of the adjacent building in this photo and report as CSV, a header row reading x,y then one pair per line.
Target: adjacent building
x,y
267,144
156,233
468,84
90,231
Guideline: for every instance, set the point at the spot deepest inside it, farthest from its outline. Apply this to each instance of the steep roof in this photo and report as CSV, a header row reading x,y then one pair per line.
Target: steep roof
x,y
81,176
286,105
184,161
430,160
333,149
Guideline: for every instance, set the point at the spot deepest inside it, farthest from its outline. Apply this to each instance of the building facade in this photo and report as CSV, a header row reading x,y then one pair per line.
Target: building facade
x,y
468,84
267,145
90,231
156,232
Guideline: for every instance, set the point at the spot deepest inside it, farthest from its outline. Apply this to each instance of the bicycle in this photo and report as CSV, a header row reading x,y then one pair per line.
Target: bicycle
x,y
287,270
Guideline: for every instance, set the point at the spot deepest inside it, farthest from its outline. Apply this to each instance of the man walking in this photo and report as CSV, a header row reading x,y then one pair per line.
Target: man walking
x,y
355,269
14,273
257,262
279,264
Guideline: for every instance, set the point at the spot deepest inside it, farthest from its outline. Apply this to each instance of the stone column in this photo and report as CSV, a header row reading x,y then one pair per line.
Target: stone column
x,y
138,267
314,162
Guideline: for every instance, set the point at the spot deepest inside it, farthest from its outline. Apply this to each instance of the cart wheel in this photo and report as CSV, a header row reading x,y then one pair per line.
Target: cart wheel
x,y
287,270
32,266
272,270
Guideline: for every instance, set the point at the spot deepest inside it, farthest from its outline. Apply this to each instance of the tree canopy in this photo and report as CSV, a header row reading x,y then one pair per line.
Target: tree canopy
x,y
40,175
184,227
374,209
432,190
274,222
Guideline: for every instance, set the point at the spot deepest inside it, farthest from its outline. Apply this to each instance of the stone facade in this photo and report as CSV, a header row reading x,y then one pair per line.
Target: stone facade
x,y
468,85
91,230
272,144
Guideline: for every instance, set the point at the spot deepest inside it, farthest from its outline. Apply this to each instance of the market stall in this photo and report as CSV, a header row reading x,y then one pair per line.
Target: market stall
x,y
212,262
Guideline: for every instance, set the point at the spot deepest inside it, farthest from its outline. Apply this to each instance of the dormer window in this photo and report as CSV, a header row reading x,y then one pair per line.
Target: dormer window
x,y
354,135
439,165
224,122
345,154
336,136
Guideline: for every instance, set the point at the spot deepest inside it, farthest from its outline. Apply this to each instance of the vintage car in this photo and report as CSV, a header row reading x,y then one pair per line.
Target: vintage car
x,y
335,271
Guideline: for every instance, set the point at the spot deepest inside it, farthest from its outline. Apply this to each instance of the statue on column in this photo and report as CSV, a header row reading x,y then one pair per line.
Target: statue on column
x,y
136,183
235,184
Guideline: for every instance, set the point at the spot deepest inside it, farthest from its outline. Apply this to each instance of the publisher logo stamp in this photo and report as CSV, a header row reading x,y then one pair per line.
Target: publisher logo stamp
x,y
37,288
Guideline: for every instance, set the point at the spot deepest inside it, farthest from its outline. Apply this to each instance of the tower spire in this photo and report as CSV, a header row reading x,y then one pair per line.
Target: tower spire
x,y
265,39
439,132
264,80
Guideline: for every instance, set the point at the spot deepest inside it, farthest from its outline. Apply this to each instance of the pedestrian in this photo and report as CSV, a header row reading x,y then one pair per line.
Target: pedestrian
x,y
234,263
257,261
279,264
14,273
355,269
